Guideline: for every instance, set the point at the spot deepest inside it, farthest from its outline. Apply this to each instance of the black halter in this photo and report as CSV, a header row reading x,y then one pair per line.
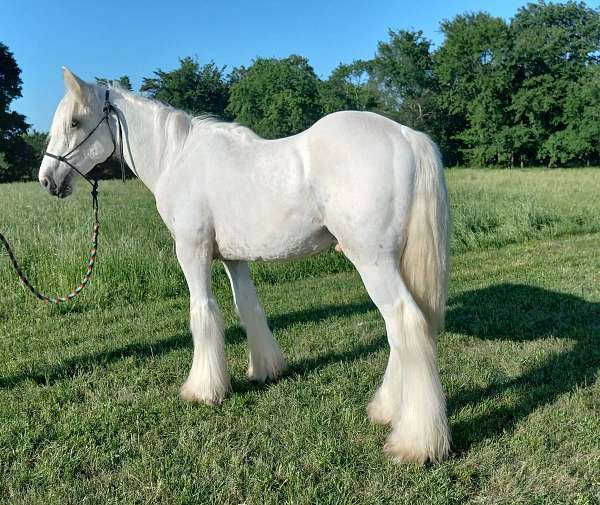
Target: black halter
x,y
106,110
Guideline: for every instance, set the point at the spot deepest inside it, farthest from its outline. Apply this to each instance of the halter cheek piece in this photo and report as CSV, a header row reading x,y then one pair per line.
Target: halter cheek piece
x,y
106,110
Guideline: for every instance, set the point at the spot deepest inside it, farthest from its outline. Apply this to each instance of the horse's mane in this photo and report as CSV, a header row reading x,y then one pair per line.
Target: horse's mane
x,y
186,122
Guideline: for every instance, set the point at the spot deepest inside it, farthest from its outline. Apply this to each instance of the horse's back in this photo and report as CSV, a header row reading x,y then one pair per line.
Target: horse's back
x,y
357,137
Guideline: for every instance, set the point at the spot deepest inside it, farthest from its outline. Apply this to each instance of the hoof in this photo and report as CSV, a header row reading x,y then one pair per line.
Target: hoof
x,y
402,449
199,395
401,455
266,369
265,374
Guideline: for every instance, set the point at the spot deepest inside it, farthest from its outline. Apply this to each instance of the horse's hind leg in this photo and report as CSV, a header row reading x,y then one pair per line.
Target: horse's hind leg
x,y
411,394
265,359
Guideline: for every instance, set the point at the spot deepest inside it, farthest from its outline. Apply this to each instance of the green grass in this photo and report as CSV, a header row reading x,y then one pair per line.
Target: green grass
x,y
89,411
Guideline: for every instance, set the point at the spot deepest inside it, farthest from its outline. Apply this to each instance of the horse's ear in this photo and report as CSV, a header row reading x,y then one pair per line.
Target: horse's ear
x,y
75,85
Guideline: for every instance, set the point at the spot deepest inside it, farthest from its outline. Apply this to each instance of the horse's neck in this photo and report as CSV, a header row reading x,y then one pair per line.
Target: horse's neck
x,y
146,146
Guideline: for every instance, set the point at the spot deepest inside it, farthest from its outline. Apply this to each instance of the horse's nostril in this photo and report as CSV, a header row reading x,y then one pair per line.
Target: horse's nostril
x,y
45,182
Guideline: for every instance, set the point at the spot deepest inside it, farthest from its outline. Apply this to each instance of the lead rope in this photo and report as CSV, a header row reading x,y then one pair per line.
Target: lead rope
x,y
107,109
90,267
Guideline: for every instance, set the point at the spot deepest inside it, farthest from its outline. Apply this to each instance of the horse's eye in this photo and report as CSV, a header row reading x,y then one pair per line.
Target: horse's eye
x,y
74,123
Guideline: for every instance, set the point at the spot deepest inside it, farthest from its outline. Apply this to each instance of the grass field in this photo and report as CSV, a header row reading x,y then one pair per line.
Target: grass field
x,y
89,411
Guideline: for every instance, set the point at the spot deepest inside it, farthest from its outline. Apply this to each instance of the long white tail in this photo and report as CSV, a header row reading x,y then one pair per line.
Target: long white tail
x,y
425,260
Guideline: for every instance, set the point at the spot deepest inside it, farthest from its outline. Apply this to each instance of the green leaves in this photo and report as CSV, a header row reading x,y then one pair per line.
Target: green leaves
x,y
403,72
191,87
511,89
350,87
12,124
474,72
555,49
122,82
276,97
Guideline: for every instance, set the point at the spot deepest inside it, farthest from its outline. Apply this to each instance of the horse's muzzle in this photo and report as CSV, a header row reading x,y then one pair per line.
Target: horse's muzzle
x,y
62,191
48,183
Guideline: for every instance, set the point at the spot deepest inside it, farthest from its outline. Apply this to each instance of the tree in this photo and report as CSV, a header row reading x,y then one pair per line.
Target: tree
x,y
554,45
35,147
122,82
191,87
276,97
349,87
4,166
12,124
582,111
403,71
475,82
580,139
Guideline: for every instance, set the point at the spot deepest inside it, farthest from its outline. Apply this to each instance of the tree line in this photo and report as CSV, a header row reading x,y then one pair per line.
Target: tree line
x,y
522,92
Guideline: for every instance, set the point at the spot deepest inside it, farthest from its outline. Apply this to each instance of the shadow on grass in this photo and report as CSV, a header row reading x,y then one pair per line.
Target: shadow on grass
x,y
279,322
305,366
72,367
233,335
516,312
506,312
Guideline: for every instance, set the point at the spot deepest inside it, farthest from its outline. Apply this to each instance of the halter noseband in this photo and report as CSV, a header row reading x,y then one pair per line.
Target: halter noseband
x,y
107,109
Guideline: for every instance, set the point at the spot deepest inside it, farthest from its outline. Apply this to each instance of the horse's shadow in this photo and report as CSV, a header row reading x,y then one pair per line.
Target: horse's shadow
x,y
521,313
506,312
68,368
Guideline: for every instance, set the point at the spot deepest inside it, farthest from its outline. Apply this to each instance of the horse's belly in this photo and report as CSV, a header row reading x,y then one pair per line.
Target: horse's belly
x,y
287,244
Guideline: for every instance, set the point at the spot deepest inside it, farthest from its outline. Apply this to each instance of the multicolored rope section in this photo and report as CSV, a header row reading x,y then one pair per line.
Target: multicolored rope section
x,y
90,267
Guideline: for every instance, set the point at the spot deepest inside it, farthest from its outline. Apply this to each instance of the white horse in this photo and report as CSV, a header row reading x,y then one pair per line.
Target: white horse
x,y
225,193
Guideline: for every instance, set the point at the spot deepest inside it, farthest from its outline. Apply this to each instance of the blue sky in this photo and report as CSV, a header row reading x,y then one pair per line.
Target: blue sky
x,y
132,37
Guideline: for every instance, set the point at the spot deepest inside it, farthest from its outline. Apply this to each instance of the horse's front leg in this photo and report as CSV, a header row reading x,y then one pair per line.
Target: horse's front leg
x,y
208,380
266,360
